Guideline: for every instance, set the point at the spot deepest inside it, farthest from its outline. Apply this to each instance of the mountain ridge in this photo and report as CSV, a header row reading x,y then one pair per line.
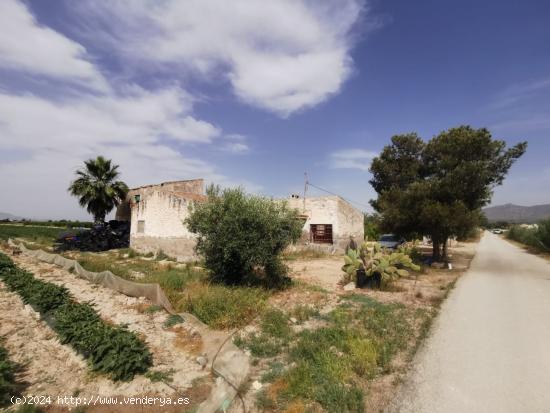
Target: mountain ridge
x,y
7,215
518,214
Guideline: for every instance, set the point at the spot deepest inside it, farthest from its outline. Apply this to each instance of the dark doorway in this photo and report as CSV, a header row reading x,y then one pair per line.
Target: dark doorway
x,y
321,233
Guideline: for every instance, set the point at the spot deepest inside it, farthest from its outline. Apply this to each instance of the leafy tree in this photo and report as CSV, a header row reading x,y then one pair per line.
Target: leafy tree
x,y
438,188
97,188
241,237
371,223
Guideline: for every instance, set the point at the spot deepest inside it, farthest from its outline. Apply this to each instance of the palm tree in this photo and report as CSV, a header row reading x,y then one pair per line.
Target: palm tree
x,y
97,189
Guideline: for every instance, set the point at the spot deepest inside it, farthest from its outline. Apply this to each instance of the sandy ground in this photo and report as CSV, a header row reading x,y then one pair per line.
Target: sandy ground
x,y
324,272
488,351
55,369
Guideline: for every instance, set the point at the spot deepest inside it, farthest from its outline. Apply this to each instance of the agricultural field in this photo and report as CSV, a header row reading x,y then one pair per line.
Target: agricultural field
x,y
91,340
312,346
34,236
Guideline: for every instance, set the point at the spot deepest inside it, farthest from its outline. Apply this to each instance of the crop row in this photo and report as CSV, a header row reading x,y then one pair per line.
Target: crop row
x,y
7,377
109,349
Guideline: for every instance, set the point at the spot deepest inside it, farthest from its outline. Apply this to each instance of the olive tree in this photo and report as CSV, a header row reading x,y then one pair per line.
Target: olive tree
x,y
241,236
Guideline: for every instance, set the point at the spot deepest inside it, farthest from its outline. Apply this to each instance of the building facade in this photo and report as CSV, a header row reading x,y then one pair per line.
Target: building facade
x,y
157,213
330,221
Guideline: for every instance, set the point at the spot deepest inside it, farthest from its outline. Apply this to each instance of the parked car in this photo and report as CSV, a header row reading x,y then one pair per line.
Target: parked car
x,y
497,231
390,241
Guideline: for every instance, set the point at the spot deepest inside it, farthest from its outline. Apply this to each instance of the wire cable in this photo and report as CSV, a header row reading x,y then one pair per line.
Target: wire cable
x,y
333,193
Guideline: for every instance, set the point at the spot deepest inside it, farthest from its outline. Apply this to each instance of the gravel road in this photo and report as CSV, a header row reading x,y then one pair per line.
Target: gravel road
x,y
489,350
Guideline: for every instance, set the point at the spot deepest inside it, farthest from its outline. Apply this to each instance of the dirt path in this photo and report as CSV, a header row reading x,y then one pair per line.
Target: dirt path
x,y
488,351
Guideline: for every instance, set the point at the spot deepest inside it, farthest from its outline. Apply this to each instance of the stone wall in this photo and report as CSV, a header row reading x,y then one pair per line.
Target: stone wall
x,y
157,217
182,249
350,224
346,220
185,189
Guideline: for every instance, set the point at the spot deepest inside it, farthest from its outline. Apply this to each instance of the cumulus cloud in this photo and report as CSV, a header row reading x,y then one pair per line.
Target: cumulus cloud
x,y
141,118
29,47
53,139
45,135
352,159
282,56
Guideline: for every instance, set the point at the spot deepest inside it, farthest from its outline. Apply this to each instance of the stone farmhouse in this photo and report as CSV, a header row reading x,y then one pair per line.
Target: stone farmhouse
x,y
156,214
330,222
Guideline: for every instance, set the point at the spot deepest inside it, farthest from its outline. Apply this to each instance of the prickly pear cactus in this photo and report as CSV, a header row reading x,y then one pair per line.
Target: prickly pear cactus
x,y
375,260
352,263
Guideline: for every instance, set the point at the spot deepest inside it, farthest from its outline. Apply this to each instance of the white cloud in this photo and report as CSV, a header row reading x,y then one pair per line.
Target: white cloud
x,y
352,159
520,92
141,118
521,107
235,143
31,48
282,56
56,137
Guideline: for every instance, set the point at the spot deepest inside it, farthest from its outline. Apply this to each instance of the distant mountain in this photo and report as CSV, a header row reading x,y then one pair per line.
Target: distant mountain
x,y
517,213
5,215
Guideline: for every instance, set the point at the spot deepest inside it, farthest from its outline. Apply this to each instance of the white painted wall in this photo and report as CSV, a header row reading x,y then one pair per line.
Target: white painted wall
x,y
344,218
163,214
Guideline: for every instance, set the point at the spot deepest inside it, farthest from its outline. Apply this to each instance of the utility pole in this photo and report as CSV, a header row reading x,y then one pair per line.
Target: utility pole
x,y
305,190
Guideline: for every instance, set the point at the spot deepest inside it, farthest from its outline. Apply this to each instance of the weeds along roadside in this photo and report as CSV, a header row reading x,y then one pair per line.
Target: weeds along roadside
x,y
331,362
110,350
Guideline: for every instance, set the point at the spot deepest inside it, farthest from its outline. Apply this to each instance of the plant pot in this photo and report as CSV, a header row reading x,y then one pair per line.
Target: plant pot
x,y
362,280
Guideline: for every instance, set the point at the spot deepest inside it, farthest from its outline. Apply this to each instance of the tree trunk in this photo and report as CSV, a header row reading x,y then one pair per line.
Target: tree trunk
x,y
436,249
99,219
444,254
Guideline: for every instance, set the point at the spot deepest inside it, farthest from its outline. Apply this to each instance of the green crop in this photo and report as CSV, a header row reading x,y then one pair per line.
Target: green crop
x,y
109,349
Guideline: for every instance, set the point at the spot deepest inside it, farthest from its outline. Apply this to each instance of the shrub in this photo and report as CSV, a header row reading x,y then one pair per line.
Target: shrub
x,y
537,238
242,236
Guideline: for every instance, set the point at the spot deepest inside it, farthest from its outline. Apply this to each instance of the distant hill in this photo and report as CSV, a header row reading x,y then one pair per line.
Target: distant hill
x,y
5,215
517,213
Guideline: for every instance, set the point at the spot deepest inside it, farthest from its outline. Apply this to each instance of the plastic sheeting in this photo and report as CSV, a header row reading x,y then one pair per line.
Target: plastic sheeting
x,y
232,365
153,292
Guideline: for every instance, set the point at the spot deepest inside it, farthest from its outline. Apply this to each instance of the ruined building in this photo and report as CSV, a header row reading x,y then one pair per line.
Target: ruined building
x,y
330,221
157,212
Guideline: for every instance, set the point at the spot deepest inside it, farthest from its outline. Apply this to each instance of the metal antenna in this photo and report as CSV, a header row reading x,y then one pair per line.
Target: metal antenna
x,y
305,190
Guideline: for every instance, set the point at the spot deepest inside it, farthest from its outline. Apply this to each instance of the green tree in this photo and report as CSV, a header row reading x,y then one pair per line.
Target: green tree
x,y
241,237
438,188
97,188
371,224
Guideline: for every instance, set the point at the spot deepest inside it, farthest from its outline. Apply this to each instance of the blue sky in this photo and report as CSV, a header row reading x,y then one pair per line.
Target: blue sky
x,y
255,94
